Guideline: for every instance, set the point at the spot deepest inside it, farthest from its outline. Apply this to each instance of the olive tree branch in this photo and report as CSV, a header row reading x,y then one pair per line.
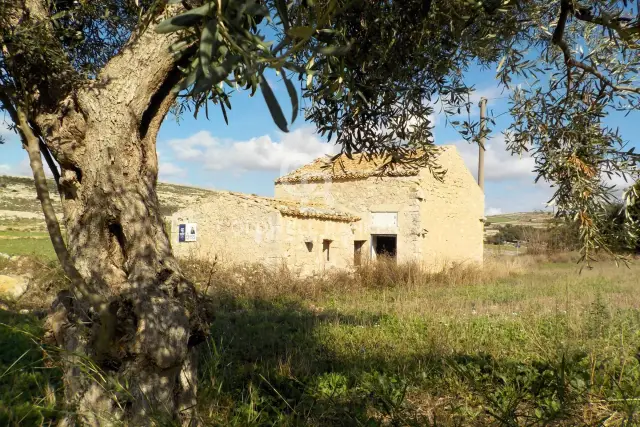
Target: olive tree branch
x,y
570,61
558,38
604,79
32,145
612,23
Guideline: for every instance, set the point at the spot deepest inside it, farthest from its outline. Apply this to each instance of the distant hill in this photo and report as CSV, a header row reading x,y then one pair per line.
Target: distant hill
x,y
18,197
18,203
539,219
532,219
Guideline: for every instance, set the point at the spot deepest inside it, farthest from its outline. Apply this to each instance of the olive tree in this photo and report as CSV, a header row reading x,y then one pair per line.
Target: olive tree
x,y
88,84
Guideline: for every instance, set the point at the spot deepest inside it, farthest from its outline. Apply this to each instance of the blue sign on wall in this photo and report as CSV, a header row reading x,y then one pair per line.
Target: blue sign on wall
x,y
182,230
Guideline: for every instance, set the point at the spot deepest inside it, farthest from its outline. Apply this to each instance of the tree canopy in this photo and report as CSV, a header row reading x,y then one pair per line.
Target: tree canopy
x,y
371,73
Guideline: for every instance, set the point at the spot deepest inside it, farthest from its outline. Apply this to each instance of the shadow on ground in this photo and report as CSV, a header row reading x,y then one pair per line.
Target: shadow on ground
x,y
283,363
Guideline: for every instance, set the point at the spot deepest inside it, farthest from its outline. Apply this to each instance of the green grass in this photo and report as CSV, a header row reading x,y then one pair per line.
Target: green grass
x,y
29,391
23,223
523,342
39,248
23,233
505,247
501,219
543,347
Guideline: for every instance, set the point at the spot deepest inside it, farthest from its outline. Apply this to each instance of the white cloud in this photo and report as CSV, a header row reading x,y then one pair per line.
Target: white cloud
x,y
192,147
519,196
493,211
293,150
168,170
499,164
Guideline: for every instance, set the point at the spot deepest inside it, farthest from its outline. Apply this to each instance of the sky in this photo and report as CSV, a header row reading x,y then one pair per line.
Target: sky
x,y
249,153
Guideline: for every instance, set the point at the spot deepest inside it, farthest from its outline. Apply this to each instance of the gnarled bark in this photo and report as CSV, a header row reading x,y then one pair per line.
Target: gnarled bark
x,y
129,326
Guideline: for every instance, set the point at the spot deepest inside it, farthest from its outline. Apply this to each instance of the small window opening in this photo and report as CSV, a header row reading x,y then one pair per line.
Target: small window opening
x,y
357,252
326,246
309,246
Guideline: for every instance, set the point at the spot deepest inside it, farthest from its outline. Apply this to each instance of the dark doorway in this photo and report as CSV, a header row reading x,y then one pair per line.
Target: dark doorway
x,y
357,252
385,245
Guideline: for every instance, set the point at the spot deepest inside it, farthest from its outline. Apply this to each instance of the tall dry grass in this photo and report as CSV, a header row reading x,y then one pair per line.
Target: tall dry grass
x,y
522,340
256,281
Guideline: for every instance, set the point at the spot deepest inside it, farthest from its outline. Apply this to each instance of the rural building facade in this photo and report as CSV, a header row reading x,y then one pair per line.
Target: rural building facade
x,y
335,216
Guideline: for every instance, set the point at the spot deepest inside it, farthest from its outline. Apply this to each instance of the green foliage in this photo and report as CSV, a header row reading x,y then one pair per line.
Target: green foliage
x,y
575,79
509,233
38,246
559,236
563,77
232,51
372,72
534,346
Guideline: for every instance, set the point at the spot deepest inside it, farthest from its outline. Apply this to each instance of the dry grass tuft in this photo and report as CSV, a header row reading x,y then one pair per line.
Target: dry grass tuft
x,y
257,281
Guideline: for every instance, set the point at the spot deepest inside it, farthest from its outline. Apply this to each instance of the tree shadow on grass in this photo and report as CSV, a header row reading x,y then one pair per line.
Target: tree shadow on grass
x,y
273,363
28,388
265,365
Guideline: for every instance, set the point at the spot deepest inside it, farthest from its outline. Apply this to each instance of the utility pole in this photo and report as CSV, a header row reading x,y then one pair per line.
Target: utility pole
x,y
481,142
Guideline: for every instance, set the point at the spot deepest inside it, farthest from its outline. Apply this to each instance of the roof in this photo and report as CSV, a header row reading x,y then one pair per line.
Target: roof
x,y
295,208
356,167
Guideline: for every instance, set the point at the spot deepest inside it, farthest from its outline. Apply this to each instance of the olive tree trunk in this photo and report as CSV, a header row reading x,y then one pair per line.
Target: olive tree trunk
x,y
128,333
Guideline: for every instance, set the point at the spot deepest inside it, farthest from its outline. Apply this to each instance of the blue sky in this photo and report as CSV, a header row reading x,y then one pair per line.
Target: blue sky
x,y
250,153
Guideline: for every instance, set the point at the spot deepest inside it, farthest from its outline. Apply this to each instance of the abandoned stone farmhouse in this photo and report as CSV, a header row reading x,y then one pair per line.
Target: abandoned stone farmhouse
x,y
338,216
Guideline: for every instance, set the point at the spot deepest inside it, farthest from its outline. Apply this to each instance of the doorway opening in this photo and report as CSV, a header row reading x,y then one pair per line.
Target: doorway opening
x,y
384,245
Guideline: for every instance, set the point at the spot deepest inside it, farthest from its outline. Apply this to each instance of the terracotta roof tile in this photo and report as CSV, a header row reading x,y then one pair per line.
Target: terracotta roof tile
x,y
299,209
357,167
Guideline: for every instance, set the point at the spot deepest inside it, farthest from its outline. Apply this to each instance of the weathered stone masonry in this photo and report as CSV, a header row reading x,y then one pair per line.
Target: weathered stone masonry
x,y
322,217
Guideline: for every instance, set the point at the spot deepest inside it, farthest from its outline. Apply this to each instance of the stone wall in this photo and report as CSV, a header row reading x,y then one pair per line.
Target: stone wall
x,y
305,242
236,229
452,213
230,228
363,197
438,222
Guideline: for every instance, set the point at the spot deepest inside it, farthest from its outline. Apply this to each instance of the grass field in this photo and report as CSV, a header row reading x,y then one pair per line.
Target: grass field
x,y
539,218
523,342
533,345
35,244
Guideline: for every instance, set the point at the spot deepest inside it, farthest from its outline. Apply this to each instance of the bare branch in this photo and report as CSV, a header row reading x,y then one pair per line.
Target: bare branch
x,y
606,81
